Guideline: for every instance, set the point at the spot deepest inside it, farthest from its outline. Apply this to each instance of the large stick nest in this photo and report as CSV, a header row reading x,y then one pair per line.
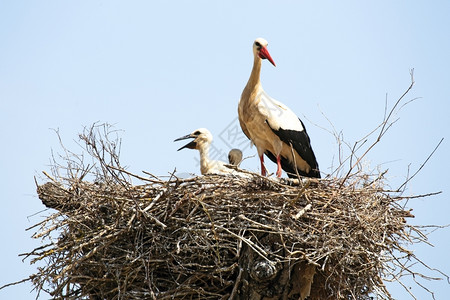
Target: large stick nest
x,y
187,238
221,236
216,236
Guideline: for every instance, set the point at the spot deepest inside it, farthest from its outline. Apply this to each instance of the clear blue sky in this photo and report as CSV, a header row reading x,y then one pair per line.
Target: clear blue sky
x,y
160,69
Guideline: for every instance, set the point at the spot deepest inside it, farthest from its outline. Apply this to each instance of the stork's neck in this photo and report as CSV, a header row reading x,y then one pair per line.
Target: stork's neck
x,y
203,148
254,81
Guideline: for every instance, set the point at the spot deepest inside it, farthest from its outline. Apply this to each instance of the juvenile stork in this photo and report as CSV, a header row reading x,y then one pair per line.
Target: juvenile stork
x,y
272,127
235,157
202,141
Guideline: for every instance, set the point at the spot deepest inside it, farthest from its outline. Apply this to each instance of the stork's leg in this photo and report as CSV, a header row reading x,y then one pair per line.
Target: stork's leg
x,y
279,170
263,168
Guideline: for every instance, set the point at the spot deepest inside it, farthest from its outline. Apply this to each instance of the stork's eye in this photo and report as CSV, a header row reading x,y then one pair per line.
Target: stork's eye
x,y
258,44
197,133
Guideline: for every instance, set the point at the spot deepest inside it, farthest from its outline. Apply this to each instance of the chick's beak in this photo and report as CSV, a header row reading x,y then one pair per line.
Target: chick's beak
x,y
190,145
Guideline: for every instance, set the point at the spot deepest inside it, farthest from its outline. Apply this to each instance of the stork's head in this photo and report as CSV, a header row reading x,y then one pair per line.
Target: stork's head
x,y
235,157
260,50
201,136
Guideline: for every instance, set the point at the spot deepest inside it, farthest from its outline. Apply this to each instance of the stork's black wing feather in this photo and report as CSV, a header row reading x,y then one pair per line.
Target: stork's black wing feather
x,y
301,143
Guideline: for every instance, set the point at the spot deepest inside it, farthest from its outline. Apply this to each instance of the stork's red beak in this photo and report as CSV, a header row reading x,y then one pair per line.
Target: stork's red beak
x,y
264,53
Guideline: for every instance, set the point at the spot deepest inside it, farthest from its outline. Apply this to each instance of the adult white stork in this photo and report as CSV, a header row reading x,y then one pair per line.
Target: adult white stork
x,y
272,127
235,157
202,141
